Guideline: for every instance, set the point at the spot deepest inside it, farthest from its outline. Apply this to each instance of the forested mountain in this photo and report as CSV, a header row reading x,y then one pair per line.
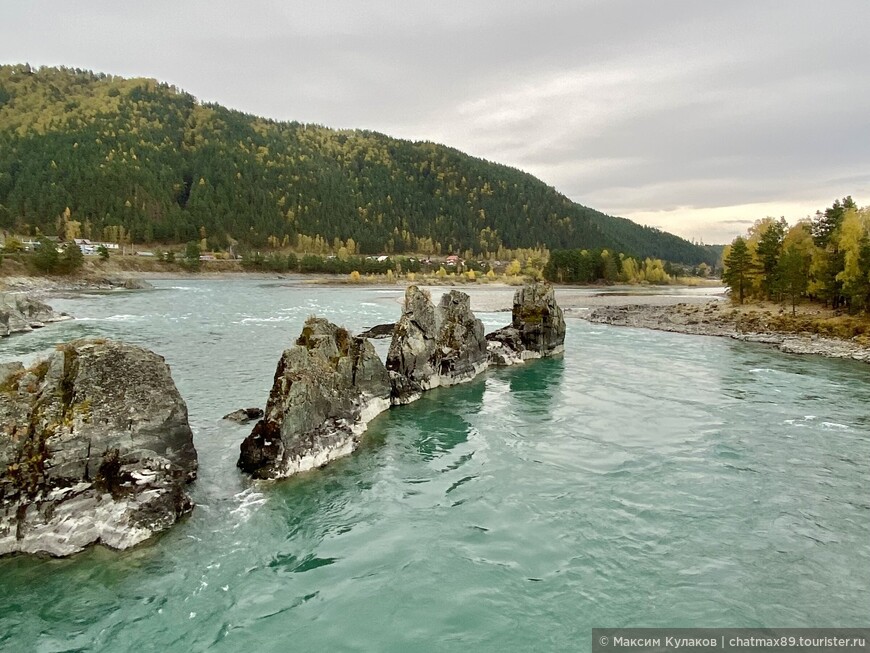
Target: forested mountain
x,y
141,160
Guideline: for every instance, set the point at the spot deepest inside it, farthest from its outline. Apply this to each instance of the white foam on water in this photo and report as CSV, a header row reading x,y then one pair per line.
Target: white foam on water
x,y
249,500
114,318
264,320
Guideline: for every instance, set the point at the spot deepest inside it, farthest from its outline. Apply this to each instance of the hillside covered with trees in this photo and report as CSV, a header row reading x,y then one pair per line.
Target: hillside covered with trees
x,y
134,160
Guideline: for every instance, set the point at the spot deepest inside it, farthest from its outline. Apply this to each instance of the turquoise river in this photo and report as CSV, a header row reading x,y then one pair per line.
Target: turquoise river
x,y
642,479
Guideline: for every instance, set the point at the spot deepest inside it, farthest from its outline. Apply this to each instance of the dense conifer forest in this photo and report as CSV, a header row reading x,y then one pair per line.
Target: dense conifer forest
x,y
90,155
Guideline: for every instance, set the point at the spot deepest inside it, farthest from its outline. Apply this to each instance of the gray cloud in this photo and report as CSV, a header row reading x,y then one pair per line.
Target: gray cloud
x,y
675,108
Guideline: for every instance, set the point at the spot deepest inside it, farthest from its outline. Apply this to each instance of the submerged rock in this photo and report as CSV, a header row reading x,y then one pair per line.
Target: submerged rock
x,y
95,446
536,330
20,313
326,390
244,415
434,347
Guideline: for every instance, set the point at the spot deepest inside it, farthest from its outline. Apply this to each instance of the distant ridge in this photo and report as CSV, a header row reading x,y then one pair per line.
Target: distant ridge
x,y
146,157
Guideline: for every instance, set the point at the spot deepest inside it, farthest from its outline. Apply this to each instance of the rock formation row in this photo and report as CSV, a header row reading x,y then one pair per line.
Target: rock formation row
x,y
95,444
331,383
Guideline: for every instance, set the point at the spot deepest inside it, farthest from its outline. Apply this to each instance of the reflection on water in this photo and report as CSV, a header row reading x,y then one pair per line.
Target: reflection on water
x,y
439,419
538,383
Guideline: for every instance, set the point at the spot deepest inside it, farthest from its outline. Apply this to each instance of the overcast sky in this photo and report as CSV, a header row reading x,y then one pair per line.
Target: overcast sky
x,y
695,117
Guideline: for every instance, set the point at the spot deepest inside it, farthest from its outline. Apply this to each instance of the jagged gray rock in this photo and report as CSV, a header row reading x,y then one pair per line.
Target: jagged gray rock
x,y
434,347
95,446
331,383
379,331
20,313
326,390
537,327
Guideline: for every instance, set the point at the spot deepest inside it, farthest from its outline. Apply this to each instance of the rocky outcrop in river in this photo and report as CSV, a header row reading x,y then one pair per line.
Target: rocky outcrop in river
x,y
20,313
73,285
326,390
95,446
331,383
537,328
435,346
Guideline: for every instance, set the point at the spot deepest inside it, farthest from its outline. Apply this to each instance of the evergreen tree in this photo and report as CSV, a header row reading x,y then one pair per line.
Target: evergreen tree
x,y
792,270
45,256
738,267
191,256
72,258
768,251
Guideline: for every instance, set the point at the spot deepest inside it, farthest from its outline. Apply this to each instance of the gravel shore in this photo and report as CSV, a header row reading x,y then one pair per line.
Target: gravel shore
x,y
578,301
719,319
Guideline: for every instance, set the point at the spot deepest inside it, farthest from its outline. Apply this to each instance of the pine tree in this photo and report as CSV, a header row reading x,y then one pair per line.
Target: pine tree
x,y
768,251
738,267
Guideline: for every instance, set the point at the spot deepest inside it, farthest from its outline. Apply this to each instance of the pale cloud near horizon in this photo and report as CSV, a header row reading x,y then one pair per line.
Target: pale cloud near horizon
x,y
692,117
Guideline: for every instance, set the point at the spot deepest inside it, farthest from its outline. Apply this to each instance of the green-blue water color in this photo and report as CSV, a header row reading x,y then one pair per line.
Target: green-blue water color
x,y
642,479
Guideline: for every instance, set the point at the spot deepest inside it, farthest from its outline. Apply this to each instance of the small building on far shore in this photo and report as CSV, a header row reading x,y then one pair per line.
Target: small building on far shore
x,y
90,248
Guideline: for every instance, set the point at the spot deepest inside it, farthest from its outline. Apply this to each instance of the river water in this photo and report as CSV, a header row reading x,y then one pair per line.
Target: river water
x,y
642,479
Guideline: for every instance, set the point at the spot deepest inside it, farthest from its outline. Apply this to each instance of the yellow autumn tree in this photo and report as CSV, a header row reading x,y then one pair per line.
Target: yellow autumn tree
x,y
853,239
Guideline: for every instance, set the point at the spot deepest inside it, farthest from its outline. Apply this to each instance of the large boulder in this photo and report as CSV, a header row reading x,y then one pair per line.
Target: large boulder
x,y
537,327
95,446
434,346
19,313
326,390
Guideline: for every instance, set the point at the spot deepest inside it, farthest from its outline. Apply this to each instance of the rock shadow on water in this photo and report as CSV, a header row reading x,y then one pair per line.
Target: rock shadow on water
x,y
296,565
536,387
440,418
312,507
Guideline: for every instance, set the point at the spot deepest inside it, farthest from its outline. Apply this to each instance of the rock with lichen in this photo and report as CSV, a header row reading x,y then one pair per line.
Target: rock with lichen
x,y
435,345
20,313
331,383
537,327
326,389
95,447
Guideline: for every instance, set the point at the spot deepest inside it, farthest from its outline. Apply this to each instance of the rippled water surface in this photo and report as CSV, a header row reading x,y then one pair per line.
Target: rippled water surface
x,y
643,479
